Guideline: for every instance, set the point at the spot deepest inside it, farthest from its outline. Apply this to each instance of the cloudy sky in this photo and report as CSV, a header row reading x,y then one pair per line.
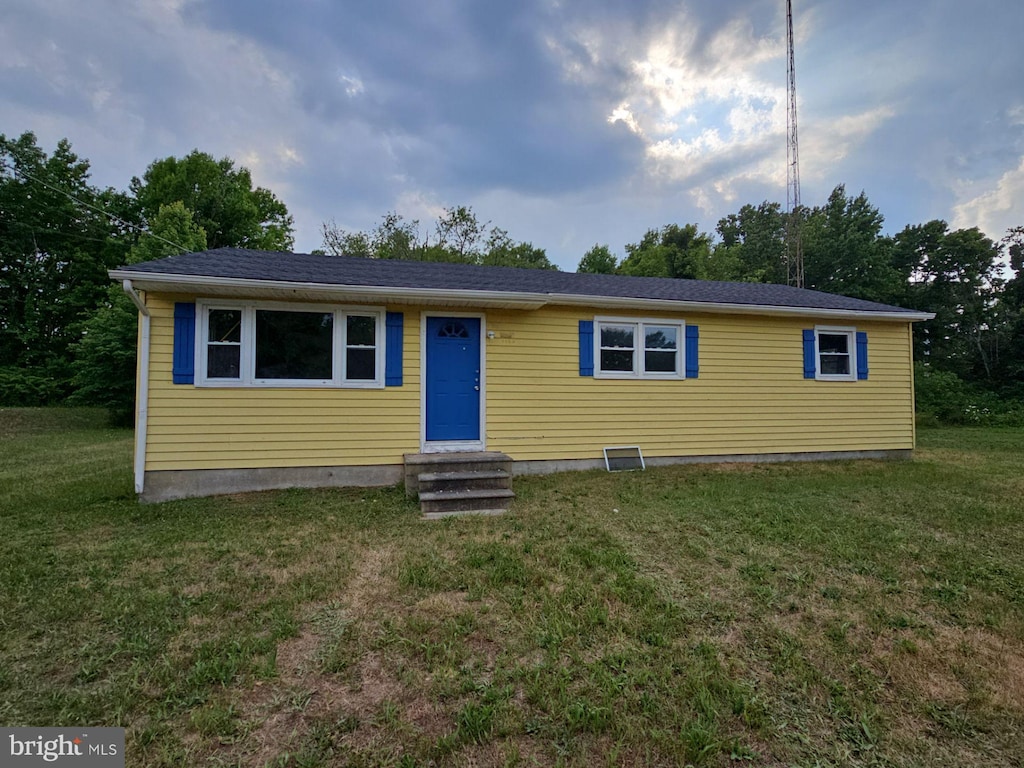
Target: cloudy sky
x,y
565,122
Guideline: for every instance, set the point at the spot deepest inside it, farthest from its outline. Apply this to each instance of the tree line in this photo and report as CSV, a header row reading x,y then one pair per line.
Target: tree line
x,y
458,236
68,335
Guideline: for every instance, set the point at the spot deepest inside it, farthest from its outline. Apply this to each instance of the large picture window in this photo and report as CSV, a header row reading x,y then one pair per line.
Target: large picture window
x,y
288,345
638,349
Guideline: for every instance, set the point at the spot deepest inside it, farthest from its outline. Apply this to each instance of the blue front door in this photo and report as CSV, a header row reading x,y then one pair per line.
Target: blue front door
x,y
453,379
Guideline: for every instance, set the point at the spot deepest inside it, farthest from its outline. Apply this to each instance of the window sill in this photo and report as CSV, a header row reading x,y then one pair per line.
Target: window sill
x,y
287,385
639,376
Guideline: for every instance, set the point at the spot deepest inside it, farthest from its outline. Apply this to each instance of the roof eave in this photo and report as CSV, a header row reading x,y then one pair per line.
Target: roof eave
x,y
221,286
235,287
735,309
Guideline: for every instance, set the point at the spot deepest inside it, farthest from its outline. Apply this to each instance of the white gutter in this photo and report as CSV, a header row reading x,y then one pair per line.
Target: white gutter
x,y
198,283
142,389
732,309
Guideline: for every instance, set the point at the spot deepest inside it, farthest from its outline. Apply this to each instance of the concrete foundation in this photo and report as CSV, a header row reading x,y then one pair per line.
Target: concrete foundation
x,y
166,485
576,465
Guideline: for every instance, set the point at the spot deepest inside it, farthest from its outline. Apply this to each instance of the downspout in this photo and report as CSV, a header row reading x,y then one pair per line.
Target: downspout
x,y
142,394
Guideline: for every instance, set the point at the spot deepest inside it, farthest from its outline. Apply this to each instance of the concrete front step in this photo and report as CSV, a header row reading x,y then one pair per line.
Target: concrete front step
x,y
417,464
435,504
460,483
463,481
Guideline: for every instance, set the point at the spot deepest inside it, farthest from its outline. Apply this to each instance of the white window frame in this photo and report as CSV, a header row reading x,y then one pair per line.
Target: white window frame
x,y
639,348
247,358
851,346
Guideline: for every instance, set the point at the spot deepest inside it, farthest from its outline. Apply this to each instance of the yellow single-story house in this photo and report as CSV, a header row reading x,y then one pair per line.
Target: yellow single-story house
x,y
266,370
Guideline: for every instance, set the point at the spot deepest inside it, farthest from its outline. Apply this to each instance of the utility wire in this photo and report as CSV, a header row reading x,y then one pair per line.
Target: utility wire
x,y
136,227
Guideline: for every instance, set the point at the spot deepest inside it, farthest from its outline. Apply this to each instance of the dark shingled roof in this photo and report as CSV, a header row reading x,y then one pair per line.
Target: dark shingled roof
x,y
243,264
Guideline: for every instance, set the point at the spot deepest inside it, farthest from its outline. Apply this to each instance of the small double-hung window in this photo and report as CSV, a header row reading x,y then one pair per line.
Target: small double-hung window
x,y
835,353
639,349
285,345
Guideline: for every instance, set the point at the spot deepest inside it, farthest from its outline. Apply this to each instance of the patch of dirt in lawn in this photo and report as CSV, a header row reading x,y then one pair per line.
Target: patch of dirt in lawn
x,y
956,665
283,711
366,589
443,603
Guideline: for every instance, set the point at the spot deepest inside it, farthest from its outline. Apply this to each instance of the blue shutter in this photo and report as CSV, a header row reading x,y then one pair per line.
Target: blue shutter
x,y
692,363
862,355
810,365
393,350
586,347
183,368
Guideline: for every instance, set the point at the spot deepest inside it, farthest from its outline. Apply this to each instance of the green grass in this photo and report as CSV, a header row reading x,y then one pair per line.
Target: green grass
x,y
850,613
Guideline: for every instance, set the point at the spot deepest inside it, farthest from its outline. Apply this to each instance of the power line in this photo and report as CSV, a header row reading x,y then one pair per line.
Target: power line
x,y
110,216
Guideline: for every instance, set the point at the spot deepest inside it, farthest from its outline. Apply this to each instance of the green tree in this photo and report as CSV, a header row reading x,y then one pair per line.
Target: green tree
x,y
393,238
956,276
460,237
1010,367
105,355
221,198
461,234
599,260
173,230
845,251
396,238
754,240
342,242
672,251
503,251
56,244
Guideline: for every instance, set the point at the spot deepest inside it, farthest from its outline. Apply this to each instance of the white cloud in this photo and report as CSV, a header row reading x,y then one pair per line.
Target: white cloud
x,y
419,205
996,209
711,111
353,85
702,106
622,114
824,143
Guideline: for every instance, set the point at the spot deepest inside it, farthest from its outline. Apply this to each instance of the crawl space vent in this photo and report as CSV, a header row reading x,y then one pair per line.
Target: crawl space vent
x,y
623,458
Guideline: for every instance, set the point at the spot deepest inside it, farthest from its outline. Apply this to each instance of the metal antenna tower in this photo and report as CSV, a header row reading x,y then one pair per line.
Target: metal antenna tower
x,y
794,248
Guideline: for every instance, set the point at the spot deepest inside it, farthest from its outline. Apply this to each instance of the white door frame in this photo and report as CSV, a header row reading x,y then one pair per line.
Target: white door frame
x,y
451,446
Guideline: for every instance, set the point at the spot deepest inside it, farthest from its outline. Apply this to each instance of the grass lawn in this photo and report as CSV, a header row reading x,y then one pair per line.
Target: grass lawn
x,y
848,613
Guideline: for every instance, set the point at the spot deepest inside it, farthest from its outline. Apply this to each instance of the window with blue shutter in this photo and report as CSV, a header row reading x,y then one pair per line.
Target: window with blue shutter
x,y
280,344
393,350
184,359
637,348
586,347
835,353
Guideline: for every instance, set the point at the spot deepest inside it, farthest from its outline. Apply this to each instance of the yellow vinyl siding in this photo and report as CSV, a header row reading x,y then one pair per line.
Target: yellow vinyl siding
x,y
751,396
250,427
